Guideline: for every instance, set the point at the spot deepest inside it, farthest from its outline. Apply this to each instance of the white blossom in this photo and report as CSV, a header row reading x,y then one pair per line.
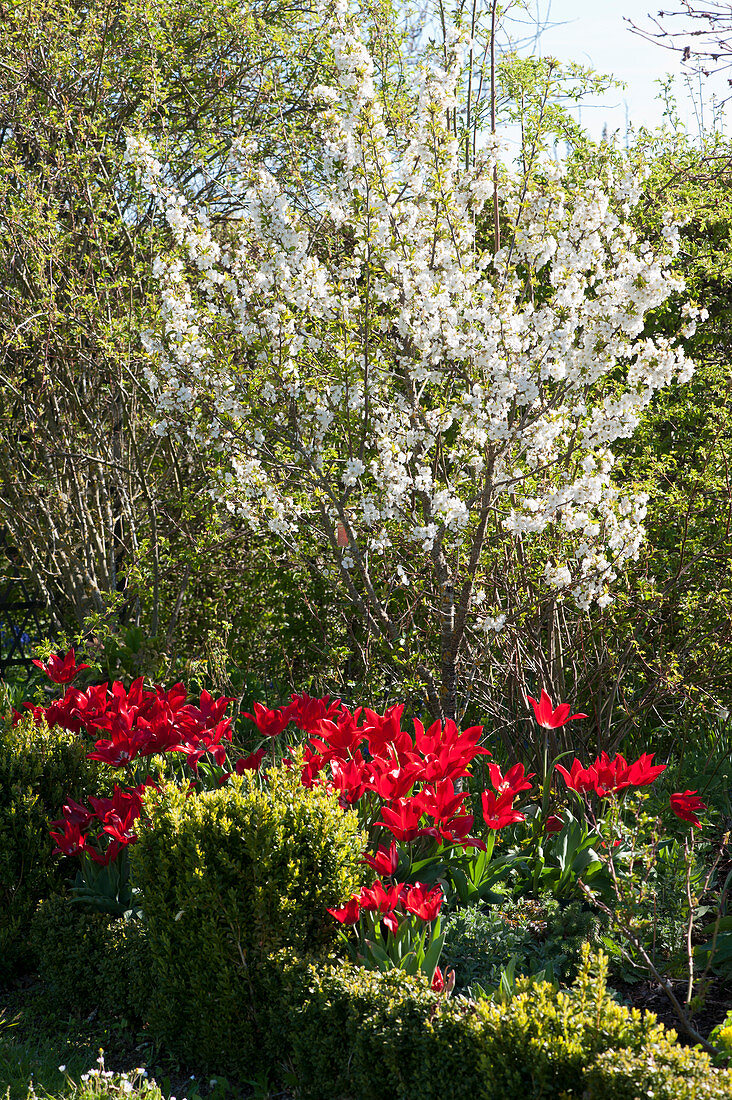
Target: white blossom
x,y
417,349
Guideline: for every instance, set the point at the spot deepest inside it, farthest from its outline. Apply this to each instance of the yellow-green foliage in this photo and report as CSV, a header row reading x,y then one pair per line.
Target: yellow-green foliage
x,y
225,879
39,769
541,1043
357,1035
663,1071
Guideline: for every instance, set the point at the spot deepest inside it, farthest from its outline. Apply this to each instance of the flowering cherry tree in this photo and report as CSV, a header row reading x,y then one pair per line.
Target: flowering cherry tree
x,y
385,390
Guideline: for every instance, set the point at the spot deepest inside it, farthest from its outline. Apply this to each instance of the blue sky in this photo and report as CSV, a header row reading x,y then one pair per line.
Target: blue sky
x,y
593,32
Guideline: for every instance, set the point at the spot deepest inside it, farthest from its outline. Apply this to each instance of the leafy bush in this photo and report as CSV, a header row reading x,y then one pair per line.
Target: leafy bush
x,y
355,1033
91,959
377,1036
542,1042
539,936
39,768
226,878
664,1072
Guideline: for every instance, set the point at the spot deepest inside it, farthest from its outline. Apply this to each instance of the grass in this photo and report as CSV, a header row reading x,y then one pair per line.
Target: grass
x,y
51,1057
97,1083
35,1042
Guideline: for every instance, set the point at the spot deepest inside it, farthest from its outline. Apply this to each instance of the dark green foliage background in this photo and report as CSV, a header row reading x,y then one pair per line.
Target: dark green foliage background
x,y
39,770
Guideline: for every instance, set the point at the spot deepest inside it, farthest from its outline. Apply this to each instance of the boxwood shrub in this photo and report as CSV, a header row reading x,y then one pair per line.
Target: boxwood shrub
x,y
358,1035
91,960
39,768
226,879
662,1070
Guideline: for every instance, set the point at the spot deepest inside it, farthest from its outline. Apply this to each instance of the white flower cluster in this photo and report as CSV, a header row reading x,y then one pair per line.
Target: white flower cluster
x,y
100,1081
409,380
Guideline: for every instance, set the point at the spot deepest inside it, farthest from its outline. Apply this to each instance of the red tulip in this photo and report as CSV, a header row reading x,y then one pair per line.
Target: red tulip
x,y
385,862
348,913
348,778
75,813
270,723
440,800
642,773
402,820
686,806
377,899
313,763
579,779
514,780
306,712
547,716
337,737
385,735
108,855
250,763
423,902
497,810
61,670
390,779
443,983
71,842
438,982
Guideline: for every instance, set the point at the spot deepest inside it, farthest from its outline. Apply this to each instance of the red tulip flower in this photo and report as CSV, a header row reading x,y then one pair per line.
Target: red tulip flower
x,y
270,723
440,800
402,820
549,717
497,810
385,862
421,901
687,806
306,712
579,779
108,856
643,772
61,670
515,780
76,814
71,842
378,899
348,913
250,763
392,780
384,901
348,778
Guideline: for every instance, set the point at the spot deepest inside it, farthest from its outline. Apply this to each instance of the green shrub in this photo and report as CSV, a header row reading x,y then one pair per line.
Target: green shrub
x,y
662,1072
227,878
365,1035
480,944
541,1043
359,1035
91,959
39,769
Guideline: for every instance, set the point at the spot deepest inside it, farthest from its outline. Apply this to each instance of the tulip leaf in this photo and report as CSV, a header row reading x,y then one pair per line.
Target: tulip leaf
x,y
432,956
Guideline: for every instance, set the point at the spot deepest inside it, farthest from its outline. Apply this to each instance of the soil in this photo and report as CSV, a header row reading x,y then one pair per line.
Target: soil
x,y
651,997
